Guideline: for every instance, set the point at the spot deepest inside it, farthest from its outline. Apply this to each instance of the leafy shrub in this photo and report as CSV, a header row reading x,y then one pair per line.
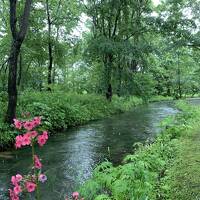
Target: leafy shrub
x,y
126,103
7,135
135,179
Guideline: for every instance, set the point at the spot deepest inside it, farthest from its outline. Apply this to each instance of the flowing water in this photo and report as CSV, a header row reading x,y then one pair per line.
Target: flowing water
x,y
70,157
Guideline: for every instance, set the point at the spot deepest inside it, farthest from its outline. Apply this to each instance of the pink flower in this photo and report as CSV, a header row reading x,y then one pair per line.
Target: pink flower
x,y
13,196
26,140
17,124
28,134
36,121
75,195
45,135
19,177
37,163
42,178
13,180
30,186
41,140
33,134
16,179
18,141
17,189
28,125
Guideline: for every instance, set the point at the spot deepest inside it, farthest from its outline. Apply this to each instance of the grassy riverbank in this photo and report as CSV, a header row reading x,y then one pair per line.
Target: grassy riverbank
x,y
166,169
182,180
60,111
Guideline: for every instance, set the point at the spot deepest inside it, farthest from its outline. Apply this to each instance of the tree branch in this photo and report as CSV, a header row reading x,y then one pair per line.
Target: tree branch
x,y
24,20
116,21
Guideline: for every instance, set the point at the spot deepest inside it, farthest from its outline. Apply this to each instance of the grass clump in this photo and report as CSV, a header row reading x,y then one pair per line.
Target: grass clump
x,y
160,98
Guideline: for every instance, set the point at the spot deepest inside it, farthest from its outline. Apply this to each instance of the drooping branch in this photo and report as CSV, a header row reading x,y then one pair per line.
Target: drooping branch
x,y
2,13
57,11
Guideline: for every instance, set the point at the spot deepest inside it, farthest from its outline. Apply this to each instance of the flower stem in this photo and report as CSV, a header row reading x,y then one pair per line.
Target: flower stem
x,y
33,153
37,188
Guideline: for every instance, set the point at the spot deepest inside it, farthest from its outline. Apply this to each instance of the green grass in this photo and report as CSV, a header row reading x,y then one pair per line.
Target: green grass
x,y
183,179
160,98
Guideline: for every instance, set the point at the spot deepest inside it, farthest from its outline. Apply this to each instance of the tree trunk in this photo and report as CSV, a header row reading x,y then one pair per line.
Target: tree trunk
x,y
179,79
50,66
17,40
50,49
119,80
109,92
108,70
20,70
12,80
168,91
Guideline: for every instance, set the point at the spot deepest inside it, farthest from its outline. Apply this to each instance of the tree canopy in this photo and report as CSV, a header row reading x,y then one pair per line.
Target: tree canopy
x,y
127,47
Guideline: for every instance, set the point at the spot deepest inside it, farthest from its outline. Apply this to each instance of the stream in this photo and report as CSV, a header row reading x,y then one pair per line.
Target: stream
x,y
69,158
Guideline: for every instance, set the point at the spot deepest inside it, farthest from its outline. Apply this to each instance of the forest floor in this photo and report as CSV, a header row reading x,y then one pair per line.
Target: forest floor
x,y
184,175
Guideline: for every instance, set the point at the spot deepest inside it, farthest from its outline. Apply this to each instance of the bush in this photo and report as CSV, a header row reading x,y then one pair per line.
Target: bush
x,y
7,136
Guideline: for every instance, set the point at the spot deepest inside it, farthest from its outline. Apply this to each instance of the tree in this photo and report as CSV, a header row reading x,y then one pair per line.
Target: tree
x,y
62,16
18,37
179,21
118,28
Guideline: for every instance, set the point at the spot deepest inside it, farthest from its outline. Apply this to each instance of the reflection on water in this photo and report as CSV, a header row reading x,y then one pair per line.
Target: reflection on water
x,y
69,158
